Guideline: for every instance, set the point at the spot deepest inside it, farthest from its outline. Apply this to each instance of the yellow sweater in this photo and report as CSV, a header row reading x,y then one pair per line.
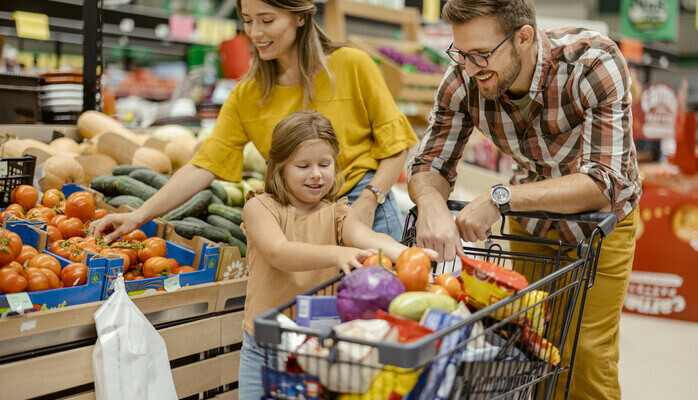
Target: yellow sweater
x,y
368,124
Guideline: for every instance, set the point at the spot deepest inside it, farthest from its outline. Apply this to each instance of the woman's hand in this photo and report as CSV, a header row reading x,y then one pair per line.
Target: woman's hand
x,y
116,225
349,258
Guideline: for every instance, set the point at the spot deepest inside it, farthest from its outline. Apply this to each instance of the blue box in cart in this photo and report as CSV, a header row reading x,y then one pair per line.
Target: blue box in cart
x,y
63,297
317,312
205,259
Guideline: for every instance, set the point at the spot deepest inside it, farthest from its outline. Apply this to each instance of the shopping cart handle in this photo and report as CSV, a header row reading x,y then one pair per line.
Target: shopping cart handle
x,y
605,221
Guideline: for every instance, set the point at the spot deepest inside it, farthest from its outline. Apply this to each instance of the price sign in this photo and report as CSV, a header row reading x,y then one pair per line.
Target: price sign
x,y
19,301
31,25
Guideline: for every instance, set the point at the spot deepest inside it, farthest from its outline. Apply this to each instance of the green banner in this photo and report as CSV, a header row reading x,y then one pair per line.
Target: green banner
x,y
649,20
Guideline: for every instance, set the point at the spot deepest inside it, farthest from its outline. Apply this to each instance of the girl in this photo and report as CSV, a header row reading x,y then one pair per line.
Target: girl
x,y
296,67
297,235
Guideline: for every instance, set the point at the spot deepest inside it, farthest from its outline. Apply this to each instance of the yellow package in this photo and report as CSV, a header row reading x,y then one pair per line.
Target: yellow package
x,y
534,317
392,383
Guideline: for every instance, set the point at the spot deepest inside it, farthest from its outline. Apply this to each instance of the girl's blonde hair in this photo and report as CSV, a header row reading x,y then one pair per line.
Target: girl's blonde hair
x,y
289,134
312,44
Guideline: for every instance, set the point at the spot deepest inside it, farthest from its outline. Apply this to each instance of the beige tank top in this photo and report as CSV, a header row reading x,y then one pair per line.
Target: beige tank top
x,y
269,287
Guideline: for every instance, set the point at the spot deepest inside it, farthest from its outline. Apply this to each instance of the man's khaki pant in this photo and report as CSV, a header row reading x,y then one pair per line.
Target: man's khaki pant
x,y
595,374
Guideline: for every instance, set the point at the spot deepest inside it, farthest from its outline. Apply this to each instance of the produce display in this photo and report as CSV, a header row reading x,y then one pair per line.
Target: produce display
x,y
209,213
412,62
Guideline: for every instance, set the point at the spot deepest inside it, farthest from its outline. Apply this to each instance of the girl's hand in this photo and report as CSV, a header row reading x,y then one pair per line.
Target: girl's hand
x,y
349,258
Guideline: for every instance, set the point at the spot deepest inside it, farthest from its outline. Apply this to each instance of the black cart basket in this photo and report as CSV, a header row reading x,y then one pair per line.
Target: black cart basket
x,y
514,348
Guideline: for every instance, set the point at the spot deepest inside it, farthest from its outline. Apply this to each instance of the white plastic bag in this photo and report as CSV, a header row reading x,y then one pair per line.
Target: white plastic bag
x,y
129,360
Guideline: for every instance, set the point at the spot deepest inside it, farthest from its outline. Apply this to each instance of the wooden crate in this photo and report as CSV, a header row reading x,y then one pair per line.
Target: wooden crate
x,y
414,91
204,350
335,13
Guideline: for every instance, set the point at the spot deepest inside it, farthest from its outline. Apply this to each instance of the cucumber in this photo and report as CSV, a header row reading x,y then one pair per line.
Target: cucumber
x,y
216,200
192,207
240,245
125,169
194,226
230,213
105,185
133,187
150,177
219,191
217,220
131,201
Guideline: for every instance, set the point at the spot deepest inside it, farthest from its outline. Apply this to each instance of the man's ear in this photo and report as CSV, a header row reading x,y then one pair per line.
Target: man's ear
x,y
525,36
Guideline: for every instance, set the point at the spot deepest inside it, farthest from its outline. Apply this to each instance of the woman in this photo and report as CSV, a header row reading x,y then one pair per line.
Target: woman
x,y
296,66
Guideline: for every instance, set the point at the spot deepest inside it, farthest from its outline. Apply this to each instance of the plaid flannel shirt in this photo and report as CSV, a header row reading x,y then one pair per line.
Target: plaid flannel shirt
x,y
580,121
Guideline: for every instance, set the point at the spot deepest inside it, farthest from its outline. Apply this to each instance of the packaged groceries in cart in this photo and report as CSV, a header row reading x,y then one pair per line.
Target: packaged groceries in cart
x,y
498,330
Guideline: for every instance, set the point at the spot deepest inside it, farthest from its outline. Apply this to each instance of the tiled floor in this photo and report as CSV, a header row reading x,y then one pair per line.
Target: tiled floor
x,y
658,358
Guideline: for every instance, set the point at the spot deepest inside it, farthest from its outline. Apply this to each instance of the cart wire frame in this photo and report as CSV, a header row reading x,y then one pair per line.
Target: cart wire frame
x,y
563,277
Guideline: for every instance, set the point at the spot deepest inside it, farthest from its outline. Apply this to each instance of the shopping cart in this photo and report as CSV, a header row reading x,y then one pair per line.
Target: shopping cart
x,y
512,349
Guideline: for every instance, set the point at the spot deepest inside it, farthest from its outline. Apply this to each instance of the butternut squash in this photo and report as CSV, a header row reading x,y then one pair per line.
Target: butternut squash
x,y
60,170
65,145
95,165
94,123
117,147
153,159
177,154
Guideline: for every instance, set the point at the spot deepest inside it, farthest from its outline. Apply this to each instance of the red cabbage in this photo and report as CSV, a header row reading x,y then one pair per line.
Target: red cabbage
x,y
366,290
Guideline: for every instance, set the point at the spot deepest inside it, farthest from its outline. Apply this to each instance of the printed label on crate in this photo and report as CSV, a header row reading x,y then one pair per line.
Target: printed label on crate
x,y
19,301
654,293
172,283
3,168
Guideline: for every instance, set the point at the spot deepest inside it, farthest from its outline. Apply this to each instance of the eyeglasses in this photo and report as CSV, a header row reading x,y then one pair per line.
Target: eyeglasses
x,y
481,60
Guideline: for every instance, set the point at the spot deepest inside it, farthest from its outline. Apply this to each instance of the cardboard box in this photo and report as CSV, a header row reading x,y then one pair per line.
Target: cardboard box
x,y
63,297
317,312
204,258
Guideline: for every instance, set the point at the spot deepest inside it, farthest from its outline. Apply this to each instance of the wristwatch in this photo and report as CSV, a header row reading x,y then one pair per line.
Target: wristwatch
x,y
501,195
380,195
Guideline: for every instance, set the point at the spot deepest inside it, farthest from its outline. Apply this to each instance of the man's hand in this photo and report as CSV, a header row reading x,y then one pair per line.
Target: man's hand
x,y
475,220
436,230
365,207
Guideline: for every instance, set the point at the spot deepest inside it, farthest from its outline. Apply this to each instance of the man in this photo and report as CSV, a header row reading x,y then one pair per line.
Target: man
x,y
558,102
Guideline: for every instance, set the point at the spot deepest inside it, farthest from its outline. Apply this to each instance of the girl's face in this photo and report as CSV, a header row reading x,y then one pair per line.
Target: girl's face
x,y
272,30
309,174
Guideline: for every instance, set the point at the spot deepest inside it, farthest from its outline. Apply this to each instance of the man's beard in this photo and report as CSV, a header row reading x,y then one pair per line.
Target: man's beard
x,y
506,78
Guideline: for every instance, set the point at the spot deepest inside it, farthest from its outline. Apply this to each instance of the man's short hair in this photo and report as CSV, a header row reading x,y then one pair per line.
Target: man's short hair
x,y
509,14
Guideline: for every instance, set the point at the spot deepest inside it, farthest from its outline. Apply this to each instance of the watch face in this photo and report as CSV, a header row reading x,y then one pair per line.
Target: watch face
x,y
501,195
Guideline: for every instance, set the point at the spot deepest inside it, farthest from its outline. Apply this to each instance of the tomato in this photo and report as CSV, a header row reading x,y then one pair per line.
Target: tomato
x,y
138,277
100,213
27,253
450,283
156,266
45,261
11,211
80,205
76,255
438,289
53,234
14,265
17,207
137,234
52,197
373,260
70,227
412,254
10,246
53,281
60,248
92,243
37,214
58,218
25,195
129,248
154,247
173,264
183,269
36,280
119,253
414,276
11,281
131,275
74,274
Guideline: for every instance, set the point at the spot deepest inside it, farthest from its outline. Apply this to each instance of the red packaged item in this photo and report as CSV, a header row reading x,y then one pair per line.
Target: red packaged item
x,y
407,330
540,347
